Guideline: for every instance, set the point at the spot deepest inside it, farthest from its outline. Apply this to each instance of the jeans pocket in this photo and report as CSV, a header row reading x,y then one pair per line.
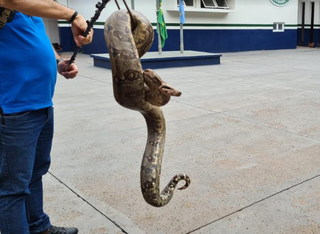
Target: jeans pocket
x,y
17,115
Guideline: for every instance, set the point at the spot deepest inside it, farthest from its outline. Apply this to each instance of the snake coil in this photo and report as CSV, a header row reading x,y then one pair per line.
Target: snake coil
x,y
143,91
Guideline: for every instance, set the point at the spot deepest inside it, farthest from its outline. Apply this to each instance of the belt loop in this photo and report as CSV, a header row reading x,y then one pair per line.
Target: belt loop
x,y
2,116
48,109
4,17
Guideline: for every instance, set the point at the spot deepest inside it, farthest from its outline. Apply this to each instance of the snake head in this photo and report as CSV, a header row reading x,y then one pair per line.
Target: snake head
x,y
154,82
170,91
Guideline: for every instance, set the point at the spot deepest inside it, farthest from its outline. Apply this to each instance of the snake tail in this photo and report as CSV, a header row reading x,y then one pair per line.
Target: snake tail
x,y
152,161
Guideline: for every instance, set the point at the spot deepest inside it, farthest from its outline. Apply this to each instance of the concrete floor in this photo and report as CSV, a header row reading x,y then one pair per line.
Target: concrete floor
x,y
247,133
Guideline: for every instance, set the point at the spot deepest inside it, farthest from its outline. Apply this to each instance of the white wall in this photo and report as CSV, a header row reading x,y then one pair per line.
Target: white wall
x,y
264,12
245,11
52,30
87,7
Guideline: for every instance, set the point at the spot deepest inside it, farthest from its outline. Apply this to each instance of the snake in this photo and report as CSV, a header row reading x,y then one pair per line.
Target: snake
x,y
128,37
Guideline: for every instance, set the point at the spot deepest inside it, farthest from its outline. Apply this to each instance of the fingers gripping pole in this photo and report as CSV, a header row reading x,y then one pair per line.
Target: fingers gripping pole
x,y
100,6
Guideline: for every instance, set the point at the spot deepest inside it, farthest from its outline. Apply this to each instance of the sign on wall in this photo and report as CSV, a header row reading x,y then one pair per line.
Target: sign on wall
x,y
280,2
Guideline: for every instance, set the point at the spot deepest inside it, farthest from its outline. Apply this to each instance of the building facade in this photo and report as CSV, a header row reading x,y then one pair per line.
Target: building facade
x,y
214,25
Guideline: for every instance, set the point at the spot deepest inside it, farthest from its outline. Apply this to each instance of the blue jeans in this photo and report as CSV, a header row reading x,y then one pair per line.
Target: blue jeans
x,y
25,145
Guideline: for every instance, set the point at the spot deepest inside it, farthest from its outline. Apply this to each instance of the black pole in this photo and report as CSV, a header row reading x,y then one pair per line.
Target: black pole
x,y
312,24
303,22
100,6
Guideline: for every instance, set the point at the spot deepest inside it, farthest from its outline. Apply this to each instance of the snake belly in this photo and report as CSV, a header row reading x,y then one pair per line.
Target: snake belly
x,y
127,41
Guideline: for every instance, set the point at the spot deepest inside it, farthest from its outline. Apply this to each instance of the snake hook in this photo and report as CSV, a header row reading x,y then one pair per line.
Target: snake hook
x,y
117,4
133,22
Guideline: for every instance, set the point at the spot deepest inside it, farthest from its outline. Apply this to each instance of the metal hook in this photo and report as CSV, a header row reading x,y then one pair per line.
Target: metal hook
x,y
117,4
133,23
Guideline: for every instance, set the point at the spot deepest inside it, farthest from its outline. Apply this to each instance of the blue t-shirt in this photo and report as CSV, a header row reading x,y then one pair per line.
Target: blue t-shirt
x,y
28,67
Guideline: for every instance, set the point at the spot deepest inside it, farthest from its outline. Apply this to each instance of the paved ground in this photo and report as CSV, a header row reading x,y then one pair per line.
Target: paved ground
x,y
247,132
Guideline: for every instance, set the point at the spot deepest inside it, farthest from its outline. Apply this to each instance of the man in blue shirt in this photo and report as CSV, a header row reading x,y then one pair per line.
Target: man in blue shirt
x,y
28,70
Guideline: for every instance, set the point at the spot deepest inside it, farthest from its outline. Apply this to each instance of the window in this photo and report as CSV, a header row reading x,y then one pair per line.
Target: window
x,y
275,27
278,27
187,3
222,4
215,4
208,3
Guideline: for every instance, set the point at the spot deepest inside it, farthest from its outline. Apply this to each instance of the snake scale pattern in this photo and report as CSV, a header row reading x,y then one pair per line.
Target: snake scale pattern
x,y
128,39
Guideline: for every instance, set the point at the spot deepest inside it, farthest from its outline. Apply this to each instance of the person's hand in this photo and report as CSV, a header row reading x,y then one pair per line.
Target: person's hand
x,y
71,72
79,26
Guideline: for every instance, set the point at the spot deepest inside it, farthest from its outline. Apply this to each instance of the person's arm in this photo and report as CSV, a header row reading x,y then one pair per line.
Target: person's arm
x,y
62,65
41,8
53,10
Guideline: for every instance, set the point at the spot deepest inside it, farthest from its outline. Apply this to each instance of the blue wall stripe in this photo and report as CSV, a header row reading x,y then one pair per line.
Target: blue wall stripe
x,y
215,41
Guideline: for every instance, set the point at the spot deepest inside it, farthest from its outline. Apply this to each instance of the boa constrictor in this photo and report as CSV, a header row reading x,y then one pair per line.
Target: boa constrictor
x,y
141,90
